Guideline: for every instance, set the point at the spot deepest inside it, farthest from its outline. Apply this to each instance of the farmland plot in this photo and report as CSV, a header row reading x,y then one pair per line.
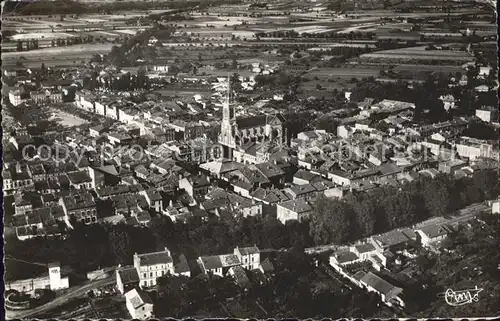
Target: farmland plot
x,y
58,51
41,35
344,72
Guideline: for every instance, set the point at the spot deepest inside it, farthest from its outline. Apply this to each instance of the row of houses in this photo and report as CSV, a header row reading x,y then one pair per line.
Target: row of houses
x,y
366,263
134,281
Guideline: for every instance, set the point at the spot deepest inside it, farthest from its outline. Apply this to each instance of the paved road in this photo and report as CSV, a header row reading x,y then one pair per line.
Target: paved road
x,y
60,300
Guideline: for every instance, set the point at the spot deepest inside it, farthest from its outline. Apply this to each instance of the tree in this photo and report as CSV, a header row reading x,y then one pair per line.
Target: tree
x,y
365,216
435,196
331,221
120,245
328,123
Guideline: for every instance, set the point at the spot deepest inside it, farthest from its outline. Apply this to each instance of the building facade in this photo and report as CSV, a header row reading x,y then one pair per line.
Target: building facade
x,y
151,266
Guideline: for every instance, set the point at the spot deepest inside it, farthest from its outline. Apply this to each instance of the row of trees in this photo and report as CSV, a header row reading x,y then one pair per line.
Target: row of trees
x,y
333,221
89,247
124,82
27,45
386,208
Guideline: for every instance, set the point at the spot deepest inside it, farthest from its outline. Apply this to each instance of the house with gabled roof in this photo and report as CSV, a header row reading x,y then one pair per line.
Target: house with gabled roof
x,y
153,265
396,239
297,209
389,293
139,304
248,256
127,278
218,264
433,233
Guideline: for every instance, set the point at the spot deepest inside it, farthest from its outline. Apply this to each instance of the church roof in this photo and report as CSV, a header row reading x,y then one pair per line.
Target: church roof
x,y
250,122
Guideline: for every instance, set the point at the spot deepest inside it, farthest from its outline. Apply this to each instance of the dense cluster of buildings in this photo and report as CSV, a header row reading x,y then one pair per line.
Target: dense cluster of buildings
x,y
144,155
244,163
377,261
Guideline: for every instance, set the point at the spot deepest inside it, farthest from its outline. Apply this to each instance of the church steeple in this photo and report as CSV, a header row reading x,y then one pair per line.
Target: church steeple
x,y
226,107
227,112
226,137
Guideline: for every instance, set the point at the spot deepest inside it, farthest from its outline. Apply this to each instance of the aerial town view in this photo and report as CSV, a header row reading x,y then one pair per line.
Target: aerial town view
x,y
250,159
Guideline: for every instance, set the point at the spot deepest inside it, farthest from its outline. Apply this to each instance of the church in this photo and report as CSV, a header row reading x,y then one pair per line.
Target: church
x,y
253,139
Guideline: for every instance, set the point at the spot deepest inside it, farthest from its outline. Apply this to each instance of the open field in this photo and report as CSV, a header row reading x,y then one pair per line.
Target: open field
x,y
427,68
56,56
41,35
58,51
343,72
419,53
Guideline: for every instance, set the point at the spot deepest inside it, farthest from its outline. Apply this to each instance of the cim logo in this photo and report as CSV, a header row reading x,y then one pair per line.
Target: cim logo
x,y
54,271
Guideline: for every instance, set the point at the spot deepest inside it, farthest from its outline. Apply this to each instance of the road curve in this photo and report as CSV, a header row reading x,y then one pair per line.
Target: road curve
x,y
60,300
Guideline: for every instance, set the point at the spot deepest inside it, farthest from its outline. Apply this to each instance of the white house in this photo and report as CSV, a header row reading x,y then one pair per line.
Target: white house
x,y
495,207
433,233
448,101
489,115
248,256
482,89
364,250
343,258
344,131
152,41
15,97
150,266
472,148
484,71
293,210
139,304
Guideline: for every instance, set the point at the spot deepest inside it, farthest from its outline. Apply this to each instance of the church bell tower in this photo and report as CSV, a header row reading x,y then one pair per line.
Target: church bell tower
x,y
226,136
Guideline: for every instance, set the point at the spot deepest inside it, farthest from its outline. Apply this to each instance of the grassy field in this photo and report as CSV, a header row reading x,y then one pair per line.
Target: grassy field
x,y
417,68
420,53
343,73
56,56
